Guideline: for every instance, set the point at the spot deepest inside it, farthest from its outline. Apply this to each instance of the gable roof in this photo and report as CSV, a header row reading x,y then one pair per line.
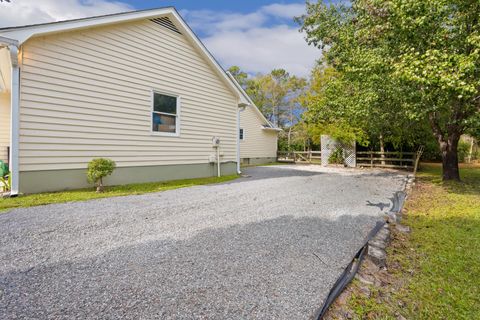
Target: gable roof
x,y
268,125
22,33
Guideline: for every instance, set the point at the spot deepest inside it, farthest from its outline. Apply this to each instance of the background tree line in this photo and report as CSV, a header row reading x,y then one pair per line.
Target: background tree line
x,y
279,96
397,73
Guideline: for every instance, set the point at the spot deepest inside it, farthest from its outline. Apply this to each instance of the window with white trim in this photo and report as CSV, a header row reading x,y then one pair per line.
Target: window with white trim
x,y
165,113
241,134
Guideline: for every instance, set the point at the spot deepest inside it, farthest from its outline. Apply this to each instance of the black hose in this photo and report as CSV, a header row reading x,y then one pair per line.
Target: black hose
x,y
348,274
350,271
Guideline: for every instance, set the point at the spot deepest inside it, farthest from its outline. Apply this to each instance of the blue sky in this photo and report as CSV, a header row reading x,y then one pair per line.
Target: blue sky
x,y
218,5
255,35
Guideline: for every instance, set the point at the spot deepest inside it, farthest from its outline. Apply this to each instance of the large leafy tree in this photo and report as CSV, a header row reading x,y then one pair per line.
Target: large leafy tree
x,y
426,53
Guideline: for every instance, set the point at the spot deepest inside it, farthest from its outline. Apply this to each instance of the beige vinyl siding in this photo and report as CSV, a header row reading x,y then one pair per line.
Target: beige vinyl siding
x,y
4,125
88,94
257,142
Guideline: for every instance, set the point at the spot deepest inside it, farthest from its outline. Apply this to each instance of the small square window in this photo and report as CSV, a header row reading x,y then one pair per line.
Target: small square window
x,y
165,113
241,134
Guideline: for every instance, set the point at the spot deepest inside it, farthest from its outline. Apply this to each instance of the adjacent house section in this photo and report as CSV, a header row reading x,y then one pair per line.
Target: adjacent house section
x,y
138,88
258,137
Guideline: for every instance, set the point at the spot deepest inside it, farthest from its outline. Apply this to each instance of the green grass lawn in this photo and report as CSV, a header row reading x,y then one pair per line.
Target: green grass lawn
x,y
87,194
435,270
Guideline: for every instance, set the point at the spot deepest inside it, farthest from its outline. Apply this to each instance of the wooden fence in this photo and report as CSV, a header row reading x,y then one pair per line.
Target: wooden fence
x,y
372,159
300,156
395,160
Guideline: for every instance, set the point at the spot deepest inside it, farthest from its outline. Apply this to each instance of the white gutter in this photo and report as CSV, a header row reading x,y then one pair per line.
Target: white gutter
x,y
5,42
273,129
14,113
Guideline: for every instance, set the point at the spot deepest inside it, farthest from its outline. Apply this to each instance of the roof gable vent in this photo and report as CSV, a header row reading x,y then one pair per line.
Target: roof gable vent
x,y
166,23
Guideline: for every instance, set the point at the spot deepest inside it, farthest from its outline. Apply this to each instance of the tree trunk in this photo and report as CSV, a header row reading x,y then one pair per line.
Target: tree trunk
x,y
100,186
450,158
470,152
448,142
289,136
382,149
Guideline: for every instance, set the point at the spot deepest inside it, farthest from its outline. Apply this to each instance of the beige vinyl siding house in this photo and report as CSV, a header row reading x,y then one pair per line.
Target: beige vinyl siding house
x,y
258,137
141,90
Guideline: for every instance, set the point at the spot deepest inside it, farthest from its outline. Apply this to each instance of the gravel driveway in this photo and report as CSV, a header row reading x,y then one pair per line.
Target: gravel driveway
x,y
268,246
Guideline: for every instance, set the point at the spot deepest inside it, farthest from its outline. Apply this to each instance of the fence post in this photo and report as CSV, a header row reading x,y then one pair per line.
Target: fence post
x,y
417,159
371,159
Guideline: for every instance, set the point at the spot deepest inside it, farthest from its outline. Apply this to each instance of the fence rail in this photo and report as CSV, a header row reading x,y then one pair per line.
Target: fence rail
x,y
389,159
373,159
300,156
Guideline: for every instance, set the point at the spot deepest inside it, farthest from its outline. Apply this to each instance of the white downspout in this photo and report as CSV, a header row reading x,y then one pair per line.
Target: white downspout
x,y
239,109
14,121
238,141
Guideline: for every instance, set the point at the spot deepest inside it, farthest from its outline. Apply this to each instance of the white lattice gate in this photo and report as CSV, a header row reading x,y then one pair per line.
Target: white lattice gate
x,y
331,146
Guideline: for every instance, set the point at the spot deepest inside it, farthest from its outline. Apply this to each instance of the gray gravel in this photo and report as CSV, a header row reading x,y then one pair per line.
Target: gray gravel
x,y
269,246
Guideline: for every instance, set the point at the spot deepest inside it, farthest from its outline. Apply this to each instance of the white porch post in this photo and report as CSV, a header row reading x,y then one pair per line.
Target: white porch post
x,y
14,121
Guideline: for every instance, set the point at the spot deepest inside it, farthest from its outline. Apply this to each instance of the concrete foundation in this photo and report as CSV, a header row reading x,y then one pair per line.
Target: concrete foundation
x,y
59,180
257,161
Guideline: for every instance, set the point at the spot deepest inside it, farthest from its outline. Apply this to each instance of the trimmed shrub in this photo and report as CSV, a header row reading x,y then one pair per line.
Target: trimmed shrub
x,y
99,169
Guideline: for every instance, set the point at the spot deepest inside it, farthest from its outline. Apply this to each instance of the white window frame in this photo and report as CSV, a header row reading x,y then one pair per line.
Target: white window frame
x,y
177,116
241,137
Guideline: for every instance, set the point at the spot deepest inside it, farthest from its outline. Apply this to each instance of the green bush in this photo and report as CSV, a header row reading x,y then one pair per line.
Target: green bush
x,y
99,169
336,157
5,177
3,169
463,151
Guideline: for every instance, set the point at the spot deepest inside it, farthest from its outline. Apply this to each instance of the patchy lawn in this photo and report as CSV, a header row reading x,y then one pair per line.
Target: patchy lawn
x,y
87,194
434,272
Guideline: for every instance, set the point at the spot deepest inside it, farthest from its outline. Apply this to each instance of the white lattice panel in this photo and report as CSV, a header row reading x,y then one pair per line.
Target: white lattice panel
x,y
330,145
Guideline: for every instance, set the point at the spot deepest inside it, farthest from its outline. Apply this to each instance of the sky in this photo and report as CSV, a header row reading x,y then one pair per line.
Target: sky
x,y
256,35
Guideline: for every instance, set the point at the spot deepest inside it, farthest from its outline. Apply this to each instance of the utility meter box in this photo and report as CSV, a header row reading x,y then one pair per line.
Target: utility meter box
x,y
216,142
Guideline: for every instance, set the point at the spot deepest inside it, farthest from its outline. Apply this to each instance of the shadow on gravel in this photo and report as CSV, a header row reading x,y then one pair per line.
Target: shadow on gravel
x,y
275,269
271,172
259,173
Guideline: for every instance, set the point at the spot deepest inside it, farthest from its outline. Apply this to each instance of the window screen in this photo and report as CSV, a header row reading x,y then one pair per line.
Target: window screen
x,y
165,113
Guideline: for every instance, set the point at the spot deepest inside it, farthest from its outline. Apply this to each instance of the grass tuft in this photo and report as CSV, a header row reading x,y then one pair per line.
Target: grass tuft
x,y
434,272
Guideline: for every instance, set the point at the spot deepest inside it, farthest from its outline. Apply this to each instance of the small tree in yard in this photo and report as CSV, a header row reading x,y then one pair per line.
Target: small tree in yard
x,y
99,169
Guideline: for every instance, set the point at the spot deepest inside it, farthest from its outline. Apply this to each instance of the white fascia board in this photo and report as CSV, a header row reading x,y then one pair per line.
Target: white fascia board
x,y
22,34
250,102
272,129
185,29
247,99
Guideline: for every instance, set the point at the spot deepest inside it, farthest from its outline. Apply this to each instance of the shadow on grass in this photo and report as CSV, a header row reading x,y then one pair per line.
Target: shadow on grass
x,y
469,174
